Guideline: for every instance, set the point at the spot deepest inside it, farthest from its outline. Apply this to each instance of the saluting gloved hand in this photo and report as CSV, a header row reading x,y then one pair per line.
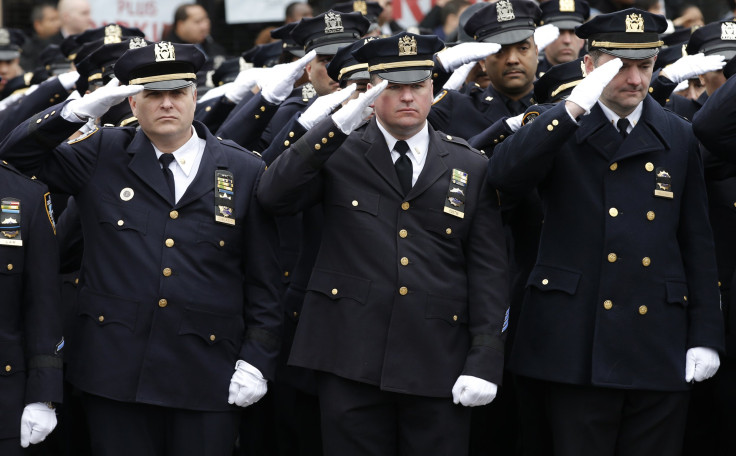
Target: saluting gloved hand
x,y
514,123
350,116
473,391
701,363
323,106
37,421
243,83
585,94
67,80
95,104
278,83
456,56
458,77
247,386
545,35
690,66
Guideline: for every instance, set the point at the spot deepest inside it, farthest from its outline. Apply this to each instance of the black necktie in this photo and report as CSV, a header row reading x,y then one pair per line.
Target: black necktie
x,y
166,160
403,166
623,125
515,107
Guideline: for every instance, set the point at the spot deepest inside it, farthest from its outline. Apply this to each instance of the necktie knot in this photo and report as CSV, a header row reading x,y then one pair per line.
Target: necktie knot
x,y
623,126
166,159
401,147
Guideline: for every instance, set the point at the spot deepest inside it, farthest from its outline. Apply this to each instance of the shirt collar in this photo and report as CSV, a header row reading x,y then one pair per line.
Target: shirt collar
x,y
185,155
613,117
418,144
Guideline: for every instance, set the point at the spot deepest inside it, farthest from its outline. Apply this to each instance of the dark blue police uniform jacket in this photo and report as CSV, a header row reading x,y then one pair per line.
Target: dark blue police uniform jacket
x,y
403,295
30,308
625,280
169,299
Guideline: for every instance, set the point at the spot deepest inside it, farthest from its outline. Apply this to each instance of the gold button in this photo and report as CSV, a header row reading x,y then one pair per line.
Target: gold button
x,y
331,134
614,166
53,112
650,215
8,368
643,310
449,137
46,116
355,202
38,121
121,223
501,137
613,212
257,116
495,141
405,205
317,147
612,257
174,214
608,304
555,122
404,261
212,337
208,108
719,283
448,231
684,298
222,243
163,303
403,291
651,89
334,291
545,281
550,128
649,167
291,134
220,138
169,242
167,272
101,318
324,140
296,314
646,261
76,281
10,267
454,318
403,234
286,143
286,273
263,108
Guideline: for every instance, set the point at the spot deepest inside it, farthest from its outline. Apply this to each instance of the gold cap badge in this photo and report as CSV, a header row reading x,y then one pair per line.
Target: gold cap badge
x,y
407,46
567,6
137,42
728,31
505,11
360,6
113,34
333,23
634,23
164,51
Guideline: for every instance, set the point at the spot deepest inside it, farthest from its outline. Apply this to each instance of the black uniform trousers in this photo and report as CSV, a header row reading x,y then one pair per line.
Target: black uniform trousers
x,y
128,428
592,420
361,419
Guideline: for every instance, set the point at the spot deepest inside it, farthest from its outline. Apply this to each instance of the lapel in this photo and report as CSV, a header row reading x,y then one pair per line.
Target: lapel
x,y
379,157
645,136
598,133
145,165
434,166
212,159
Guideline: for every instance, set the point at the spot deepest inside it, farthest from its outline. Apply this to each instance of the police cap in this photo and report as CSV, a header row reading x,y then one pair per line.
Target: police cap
x,y
371,10
330,31
504,22
557,83
564,14
288,44
160,66
10,42
628,34
715,38
263,55
226,72
404,58
344,67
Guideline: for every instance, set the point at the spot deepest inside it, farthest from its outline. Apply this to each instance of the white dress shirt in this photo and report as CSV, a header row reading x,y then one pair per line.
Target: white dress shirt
x,y
186,163
418,148
613,117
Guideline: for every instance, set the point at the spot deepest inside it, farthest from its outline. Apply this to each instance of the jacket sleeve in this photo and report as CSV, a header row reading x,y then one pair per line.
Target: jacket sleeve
x,y
715,123
246,125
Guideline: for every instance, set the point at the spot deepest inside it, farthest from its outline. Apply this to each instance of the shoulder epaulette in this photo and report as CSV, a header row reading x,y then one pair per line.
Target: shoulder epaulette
x,y
11,168
234,145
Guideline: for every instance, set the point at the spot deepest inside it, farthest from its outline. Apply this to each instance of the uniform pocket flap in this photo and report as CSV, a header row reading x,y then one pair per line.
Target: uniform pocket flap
x,y
676,292
123,217
335,285
357,200
454,311
107,309
212,328
548,278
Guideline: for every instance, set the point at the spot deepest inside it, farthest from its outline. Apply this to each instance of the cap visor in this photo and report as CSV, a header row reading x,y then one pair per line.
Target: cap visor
x,y
328,49
168,85
357,75
296,52
633,54
406,76
509,37
9,55
565,24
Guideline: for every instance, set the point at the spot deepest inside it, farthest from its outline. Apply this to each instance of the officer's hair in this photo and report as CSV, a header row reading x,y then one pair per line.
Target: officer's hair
x,y
180,14
37,11
595,54
376,79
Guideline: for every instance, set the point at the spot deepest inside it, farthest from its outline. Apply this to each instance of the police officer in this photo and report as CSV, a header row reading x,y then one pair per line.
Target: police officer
x,y
622,308
178,319
30,327
565,15
396,343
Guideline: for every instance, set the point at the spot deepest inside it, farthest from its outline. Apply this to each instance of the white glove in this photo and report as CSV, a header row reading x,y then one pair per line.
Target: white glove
x,y
545,35
67,80
458,77
350,116
589,90
323,106
243,83
473,391
215,92
278,83
95,104
701,363
247,386
456,56
689,66
37,421
514,123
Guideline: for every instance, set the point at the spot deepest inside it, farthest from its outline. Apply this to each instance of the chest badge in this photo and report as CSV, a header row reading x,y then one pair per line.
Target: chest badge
x,y
224,193
663,184
455,201
10,222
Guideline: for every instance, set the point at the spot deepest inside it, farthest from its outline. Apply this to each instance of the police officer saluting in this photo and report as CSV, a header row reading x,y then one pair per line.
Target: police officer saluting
x,y
177,312
404,310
